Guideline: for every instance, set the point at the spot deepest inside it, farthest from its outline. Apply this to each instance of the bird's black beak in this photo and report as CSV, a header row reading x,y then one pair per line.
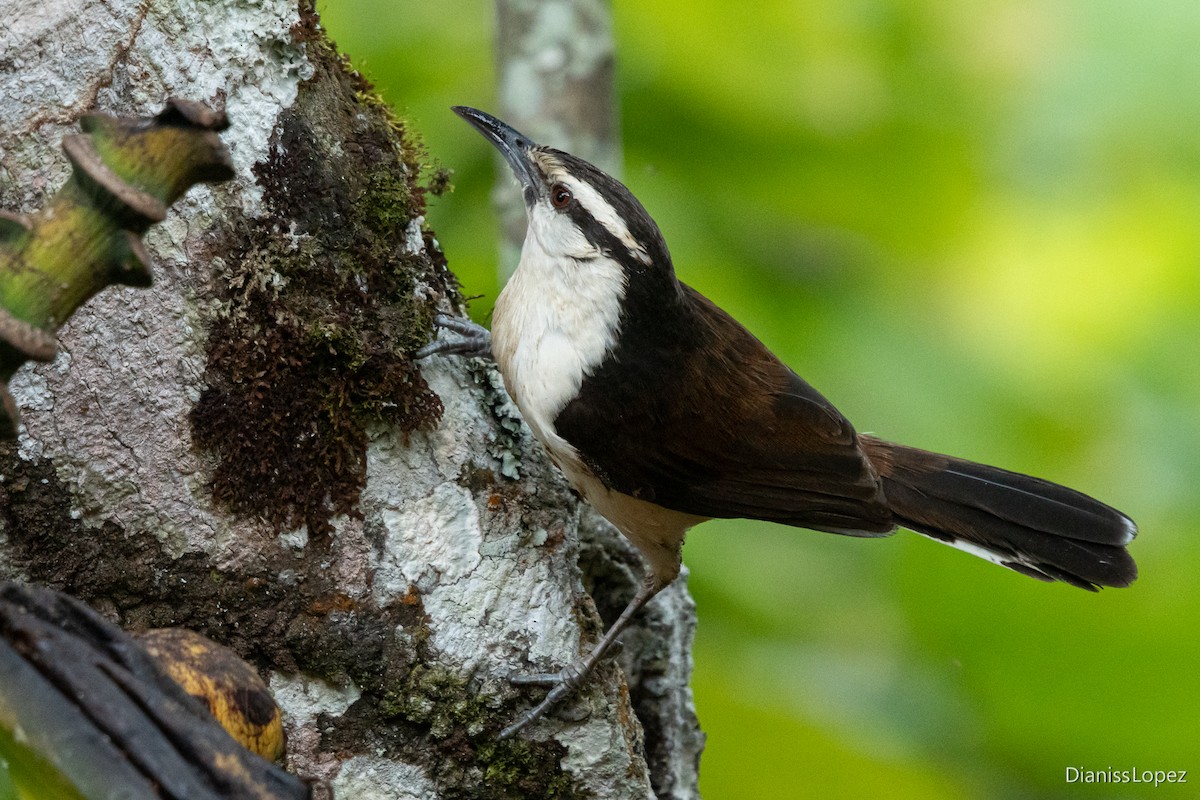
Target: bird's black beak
x,y
512,144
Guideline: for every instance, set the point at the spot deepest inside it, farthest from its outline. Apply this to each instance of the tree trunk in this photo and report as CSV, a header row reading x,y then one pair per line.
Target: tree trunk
x,y
247,449
555,63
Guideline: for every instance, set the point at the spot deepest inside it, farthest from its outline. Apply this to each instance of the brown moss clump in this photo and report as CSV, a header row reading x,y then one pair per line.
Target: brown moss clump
x,y
320,312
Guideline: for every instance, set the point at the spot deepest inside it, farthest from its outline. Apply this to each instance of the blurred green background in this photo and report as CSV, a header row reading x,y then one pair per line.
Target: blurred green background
x,y
976,228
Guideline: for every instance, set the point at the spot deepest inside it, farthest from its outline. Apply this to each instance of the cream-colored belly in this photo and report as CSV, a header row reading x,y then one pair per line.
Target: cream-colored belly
x,y
657,532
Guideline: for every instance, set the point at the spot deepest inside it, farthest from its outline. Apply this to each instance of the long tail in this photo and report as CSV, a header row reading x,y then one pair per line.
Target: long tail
x,y
1035,527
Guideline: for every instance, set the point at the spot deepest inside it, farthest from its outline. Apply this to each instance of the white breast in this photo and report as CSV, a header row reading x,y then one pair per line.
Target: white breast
x,y
554,323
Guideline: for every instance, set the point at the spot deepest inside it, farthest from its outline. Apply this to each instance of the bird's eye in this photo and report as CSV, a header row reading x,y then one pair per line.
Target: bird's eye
x,y
560,196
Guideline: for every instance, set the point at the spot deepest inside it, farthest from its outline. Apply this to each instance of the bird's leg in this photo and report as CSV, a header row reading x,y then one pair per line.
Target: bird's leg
x,y
476,340
573,675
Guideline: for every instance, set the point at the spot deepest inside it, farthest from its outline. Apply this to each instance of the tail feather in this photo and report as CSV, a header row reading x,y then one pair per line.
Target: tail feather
x,y
1027,524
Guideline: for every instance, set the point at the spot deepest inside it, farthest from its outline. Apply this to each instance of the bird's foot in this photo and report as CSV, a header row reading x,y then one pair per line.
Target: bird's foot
x,y
561,684
476,340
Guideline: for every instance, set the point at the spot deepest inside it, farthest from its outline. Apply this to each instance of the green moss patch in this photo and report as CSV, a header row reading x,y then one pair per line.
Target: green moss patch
x,y
319,312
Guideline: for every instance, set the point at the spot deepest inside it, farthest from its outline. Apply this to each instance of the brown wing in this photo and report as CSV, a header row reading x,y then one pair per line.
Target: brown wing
x,y
695,414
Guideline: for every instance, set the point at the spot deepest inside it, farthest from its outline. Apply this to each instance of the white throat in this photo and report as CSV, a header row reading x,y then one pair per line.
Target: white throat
x,y
554,323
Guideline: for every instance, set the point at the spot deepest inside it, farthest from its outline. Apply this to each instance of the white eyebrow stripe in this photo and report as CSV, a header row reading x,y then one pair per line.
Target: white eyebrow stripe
x,y
603,212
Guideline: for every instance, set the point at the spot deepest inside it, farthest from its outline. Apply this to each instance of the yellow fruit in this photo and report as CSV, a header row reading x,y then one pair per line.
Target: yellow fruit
x,y
236,696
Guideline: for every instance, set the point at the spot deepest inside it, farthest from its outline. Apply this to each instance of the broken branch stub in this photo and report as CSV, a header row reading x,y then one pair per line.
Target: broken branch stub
x,y
127,171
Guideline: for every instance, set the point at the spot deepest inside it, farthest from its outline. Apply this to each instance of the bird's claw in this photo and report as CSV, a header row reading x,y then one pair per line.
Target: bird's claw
x,y
476,340
561,683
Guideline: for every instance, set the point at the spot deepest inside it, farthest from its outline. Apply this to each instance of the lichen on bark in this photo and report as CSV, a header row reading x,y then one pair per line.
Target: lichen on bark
x,y
319,310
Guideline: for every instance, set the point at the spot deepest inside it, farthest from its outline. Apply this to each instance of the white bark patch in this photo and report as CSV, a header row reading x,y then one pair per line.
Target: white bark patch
x,y
132,359
485,585
363,777
303,698
442,530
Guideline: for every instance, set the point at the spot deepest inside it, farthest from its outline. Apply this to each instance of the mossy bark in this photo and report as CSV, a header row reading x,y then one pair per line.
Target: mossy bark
x,y
246,448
